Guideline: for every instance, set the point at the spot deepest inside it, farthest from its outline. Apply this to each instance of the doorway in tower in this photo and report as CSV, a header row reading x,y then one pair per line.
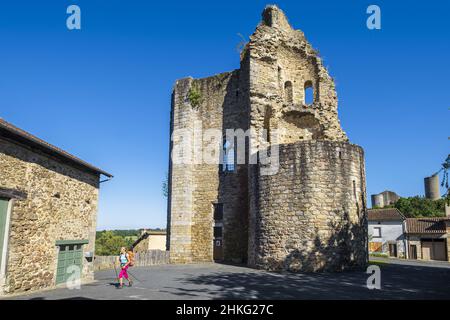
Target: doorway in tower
x,y
218,232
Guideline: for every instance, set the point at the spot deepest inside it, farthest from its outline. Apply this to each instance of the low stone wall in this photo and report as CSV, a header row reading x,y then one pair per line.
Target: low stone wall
x,y
142,259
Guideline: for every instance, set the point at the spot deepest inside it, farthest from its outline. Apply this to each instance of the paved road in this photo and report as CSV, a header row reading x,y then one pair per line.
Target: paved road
x,y
217,281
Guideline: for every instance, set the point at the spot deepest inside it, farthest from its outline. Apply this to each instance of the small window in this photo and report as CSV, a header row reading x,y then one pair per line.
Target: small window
x,y
377,232
228,157
217,232
309,93
289,95
218,211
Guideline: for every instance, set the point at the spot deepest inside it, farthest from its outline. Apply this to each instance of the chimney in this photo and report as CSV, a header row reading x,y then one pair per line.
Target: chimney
x,y
447,210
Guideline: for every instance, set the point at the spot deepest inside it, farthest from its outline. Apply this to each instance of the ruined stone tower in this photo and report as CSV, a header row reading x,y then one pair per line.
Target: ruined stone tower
x,y
309,214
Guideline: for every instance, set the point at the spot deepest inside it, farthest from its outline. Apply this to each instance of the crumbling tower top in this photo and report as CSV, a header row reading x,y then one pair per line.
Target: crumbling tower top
x,y
274,17
290,89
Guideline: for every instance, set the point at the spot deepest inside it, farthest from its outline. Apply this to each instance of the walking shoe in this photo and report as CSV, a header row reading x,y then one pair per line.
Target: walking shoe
x,y
130,284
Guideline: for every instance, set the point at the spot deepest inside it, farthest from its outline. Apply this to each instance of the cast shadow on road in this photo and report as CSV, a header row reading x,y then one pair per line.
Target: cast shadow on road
x,y
397,282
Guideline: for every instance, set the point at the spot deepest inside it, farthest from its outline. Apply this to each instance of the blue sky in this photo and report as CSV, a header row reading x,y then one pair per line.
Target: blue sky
x,y
103,92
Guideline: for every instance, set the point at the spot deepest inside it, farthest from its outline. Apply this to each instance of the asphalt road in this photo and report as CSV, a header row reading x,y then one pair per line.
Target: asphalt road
x,y
399,280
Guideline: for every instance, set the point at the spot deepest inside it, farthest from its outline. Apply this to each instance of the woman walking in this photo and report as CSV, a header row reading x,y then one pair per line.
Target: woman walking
x,y
124,260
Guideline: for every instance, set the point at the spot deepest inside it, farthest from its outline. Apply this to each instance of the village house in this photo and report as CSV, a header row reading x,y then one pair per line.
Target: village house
x,y
387,232
428,238
48,213
384,199
150,240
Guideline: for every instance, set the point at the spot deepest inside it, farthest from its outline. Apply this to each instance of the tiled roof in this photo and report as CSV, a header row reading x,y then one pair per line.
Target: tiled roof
x,y
387,214
426,225
9,131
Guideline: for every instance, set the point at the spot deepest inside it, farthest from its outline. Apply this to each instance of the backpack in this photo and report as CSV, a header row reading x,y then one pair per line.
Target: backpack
x,y
131,258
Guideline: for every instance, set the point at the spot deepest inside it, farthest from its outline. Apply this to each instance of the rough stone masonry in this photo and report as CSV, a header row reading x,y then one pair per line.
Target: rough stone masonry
x,y
308,216
52,198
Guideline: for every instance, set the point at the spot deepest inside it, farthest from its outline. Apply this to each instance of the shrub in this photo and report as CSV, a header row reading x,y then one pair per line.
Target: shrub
x,y
194,96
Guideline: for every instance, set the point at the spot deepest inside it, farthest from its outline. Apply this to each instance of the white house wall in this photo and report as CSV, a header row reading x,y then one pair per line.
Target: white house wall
x,y
391,232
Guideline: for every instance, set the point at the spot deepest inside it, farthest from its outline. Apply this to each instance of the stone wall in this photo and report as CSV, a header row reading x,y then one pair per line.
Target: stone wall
x,y
60,204
142,259
279,54
194,187
180,179
151,242
310,216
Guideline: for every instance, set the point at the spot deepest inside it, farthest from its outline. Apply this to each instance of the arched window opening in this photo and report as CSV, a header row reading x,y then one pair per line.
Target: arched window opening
x,y
289,95
309,93
228,157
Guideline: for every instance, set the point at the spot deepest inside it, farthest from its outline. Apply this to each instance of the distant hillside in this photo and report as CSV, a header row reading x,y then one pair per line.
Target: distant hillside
x,y
109,242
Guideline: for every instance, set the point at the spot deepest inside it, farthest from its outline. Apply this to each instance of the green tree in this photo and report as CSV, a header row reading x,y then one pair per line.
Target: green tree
x,y
415,207
108,243
126,233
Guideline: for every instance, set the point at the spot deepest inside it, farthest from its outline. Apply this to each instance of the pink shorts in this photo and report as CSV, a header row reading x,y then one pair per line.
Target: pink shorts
x,y
123,273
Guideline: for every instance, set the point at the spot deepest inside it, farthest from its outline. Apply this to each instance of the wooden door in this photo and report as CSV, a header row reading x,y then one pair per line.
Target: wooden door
x,y
438,252
69,255
218,250
392,250
427,247
218,243
412,251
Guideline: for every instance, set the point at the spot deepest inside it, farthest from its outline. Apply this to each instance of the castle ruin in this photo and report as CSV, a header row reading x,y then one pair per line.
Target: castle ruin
x,y
310,215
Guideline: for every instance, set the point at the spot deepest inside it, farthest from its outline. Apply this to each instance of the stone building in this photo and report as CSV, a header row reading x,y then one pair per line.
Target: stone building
x,y
303,211
384,199
428,238
48,211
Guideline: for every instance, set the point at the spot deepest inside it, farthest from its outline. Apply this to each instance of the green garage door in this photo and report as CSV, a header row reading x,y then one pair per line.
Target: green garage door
x,y
3,212
69,255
